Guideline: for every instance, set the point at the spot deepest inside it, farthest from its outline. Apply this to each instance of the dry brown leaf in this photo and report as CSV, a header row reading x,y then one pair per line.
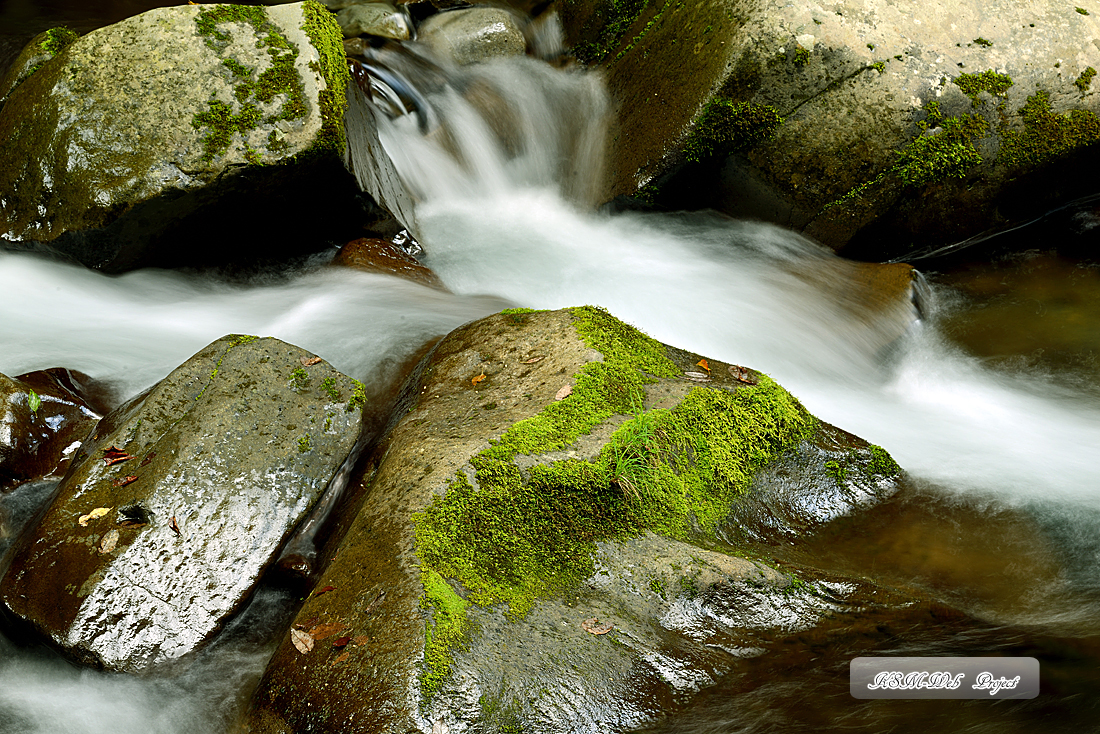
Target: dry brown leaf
x,y
109,541
341,642
114,456
741,374
148,458
175,526
325,590
703,363
533,360
479,378
301,640
564,392
594,627
343,656
310,361
311,622
361,640
93,515
324,631
123,481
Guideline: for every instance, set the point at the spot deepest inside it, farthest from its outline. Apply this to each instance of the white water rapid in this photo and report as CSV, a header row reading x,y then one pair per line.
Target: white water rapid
x,y
509,224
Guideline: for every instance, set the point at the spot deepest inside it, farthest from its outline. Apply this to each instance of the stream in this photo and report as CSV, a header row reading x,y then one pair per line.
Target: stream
x,y
989,402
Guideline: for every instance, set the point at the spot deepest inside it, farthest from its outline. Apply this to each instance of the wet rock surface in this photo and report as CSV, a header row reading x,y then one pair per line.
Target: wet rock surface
x,y
44,415
900,125
136,140
382,256
469,35
631,624
179,501
374,19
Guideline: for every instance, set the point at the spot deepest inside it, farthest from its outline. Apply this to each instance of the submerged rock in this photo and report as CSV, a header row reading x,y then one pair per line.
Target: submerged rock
x,y
872,127
470,35
180,500
374,19
44,415
159,139
569,572
374,255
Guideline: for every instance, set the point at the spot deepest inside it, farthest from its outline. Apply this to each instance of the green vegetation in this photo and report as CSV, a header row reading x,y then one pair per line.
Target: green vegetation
x,y
304,445
299,380
510,537
1046,135
325,35
449,630
726,127
871,464
518,316
34,402
1085,79
358,397
801,57
57,39
329,386
950,153
986,81
983,42
620,15
1082,11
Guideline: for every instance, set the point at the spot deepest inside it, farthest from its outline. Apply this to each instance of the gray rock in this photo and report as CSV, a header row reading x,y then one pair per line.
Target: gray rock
x,y
113,152
374,19
37,52
503,576
218,464
854,82
470,35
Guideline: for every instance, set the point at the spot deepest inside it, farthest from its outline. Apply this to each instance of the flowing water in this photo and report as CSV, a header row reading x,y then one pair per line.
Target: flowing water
x,y
1003,521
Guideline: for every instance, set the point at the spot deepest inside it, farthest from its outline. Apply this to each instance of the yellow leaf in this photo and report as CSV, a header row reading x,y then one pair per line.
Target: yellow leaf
x,y
477,379
93,515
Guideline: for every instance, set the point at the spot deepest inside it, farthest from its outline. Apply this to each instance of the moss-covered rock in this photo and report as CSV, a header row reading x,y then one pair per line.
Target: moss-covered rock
x,y
181,134
179,500
879,128
542,534
34,55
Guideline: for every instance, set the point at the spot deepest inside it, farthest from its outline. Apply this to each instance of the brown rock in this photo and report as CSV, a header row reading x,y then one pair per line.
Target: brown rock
x,y
382,256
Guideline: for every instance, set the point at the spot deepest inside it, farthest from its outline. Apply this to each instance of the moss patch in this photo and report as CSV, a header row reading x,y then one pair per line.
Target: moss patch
x,y
1046,135
510,537
321,27
987,81
950,153
620,15
1085,80
726,127
449,630
56,39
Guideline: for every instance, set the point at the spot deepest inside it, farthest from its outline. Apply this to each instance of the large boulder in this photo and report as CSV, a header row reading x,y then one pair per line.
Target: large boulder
x,y
870,127
541,549
44,415
160,139
179,502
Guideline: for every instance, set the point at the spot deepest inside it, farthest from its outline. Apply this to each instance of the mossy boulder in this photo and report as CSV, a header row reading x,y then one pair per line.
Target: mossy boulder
x,y
541,541
872,128
178,502
37,52
184,135
44,415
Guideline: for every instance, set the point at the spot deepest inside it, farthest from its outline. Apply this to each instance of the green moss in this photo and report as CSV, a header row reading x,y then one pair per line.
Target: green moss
x,y
801,57
879,66
882,465
1082,11
239,339
837,471
947,154
986,81
329,386
726,127
325,35
509,537
1085,80
1046,135
56,39
299,380
620,15
444,632
518,316
304,445
983,42
358,397
658,587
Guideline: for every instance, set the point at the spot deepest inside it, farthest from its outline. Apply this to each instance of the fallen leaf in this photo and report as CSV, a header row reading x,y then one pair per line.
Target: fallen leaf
x,y
361,640
439,727
311,622
109,541
533,360
564,392
301,640
343,656
703,363
325,590
697,376
324,631
477,379
341,642
594,627
310,361
742,375
175,526
114,456
93,515
33,401
148,458
123,481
